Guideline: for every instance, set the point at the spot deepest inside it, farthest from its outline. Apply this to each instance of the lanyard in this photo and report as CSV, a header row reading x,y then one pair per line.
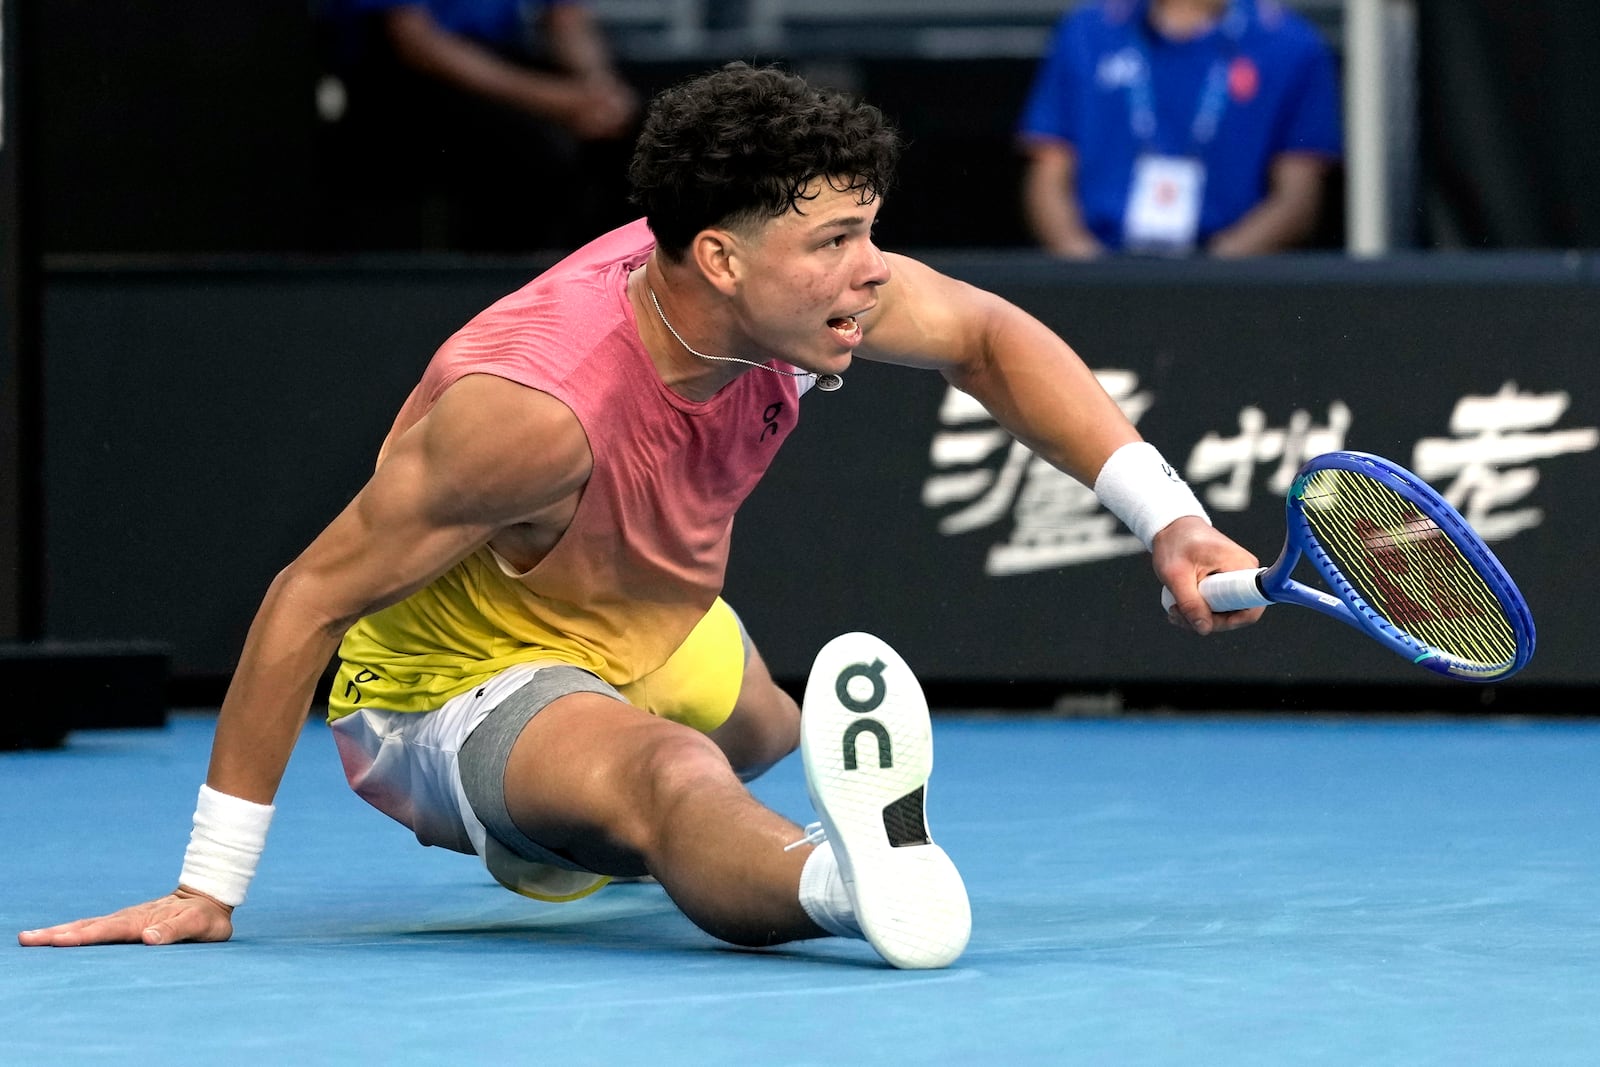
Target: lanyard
x,y
1213,97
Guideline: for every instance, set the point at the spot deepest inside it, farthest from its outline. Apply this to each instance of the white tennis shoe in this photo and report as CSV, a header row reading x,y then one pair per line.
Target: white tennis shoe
x,y
867,744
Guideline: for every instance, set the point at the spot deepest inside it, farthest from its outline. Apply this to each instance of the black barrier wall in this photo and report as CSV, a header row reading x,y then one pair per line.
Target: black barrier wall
x,y
203,424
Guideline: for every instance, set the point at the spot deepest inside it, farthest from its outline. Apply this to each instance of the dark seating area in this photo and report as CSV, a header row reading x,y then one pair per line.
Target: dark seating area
x,y
238,147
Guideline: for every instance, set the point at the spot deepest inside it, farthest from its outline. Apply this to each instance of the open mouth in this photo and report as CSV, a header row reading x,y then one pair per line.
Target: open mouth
x,y
845,324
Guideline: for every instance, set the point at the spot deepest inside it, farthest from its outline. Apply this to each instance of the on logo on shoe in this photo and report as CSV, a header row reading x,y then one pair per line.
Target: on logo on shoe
x,y
873,672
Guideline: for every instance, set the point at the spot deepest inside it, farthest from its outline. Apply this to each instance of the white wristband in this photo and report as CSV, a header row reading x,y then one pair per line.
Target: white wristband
x,y
229,834
1144,491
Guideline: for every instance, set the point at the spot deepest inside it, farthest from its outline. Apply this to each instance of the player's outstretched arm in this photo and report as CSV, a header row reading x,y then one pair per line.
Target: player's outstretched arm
x,y
1037,387
180,916
1026,376
442,490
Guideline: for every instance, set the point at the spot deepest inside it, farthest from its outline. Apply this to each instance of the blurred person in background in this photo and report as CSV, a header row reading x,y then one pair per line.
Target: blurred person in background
x,y
494,106
1179,127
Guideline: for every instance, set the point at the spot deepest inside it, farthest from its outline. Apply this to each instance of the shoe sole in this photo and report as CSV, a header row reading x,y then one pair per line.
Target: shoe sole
x,y
867,744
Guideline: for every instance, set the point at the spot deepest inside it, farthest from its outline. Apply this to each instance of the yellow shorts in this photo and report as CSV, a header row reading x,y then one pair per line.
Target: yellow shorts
x,y
699,683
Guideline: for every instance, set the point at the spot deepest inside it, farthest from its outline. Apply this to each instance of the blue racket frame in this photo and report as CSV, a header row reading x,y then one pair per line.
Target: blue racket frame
x,y
1348,606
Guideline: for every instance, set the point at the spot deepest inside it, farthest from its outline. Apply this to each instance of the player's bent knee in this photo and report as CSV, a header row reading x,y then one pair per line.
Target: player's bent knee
x,y
681,761
678,769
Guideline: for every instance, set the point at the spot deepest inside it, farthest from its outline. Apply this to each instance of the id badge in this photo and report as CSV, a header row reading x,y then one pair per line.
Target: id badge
x,y
1164,206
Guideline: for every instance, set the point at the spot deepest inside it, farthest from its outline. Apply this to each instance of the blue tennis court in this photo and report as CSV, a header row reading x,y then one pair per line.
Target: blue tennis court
x,y
1231,890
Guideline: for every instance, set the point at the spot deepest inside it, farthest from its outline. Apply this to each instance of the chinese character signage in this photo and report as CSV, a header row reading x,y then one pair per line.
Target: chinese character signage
x,y
902,506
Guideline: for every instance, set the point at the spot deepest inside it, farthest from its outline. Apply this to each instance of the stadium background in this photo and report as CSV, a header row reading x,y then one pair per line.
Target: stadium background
x,y
191,383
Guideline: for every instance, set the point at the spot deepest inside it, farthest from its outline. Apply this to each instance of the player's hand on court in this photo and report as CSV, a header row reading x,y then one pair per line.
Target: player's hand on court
x,y
181,916
1185,552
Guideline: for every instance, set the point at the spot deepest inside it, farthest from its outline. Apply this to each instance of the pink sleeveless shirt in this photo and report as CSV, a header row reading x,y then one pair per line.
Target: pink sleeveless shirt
x,y
645,554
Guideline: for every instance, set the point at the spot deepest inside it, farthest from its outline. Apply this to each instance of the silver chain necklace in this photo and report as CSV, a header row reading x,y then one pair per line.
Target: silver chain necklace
x,y
826,382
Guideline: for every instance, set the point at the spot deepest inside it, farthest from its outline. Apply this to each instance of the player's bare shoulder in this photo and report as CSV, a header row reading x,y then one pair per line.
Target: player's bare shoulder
x,y
924,318
505,448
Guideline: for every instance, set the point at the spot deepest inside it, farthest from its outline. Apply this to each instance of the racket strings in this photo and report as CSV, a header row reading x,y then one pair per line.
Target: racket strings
x,y
1406,568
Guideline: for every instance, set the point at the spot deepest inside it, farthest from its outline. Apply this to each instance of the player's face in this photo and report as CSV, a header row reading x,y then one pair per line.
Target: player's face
x,y
810,280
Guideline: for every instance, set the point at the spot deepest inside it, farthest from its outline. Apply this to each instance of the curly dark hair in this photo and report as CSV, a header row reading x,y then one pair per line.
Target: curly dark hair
x,y
743,143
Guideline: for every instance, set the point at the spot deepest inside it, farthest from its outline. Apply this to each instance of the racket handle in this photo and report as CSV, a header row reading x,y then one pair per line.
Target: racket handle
x,y
1228,591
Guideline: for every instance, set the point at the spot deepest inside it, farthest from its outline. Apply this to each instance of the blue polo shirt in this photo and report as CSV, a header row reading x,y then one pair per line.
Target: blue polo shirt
x,y
491,22
1281,95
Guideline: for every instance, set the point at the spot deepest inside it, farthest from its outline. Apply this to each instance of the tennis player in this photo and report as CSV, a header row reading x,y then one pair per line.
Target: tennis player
x,y
537,665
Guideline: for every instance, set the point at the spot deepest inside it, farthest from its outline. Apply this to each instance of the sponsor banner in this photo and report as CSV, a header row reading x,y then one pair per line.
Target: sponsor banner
x,y
900,506
224,416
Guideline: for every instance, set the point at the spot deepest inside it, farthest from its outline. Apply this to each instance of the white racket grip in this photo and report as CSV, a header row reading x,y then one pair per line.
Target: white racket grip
x,y
1227,591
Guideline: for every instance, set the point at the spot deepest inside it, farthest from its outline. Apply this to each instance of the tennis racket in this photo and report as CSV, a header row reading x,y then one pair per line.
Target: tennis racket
x,y
1403,566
